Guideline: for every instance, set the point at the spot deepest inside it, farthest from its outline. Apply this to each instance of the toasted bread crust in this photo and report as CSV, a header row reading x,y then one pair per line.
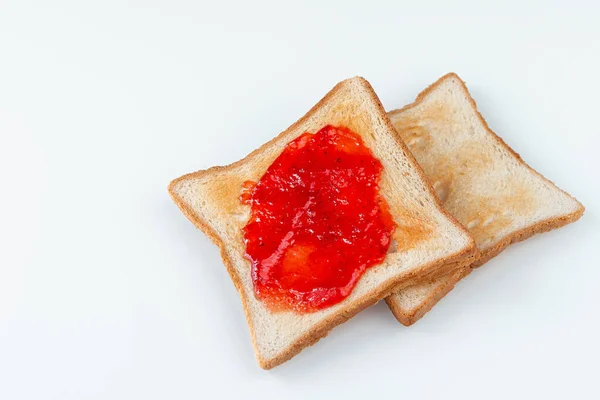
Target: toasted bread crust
x,y
520,235
321,329
409,317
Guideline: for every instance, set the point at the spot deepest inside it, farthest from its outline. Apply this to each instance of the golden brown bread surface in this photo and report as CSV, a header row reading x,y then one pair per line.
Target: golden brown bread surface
x,y
479,179
428,237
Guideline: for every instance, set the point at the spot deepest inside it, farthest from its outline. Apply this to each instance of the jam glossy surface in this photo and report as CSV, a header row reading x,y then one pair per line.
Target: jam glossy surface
x,y
317,221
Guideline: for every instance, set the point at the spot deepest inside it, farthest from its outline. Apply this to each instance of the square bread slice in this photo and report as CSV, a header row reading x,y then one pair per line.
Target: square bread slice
x,y
427,239
479,179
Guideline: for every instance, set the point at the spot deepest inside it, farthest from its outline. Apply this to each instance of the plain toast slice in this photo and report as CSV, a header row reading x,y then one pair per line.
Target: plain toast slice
x,y
426,238
480,180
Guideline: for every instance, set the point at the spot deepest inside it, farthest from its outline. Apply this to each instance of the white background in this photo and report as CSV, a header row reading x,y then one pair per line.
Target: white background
x,y
108,292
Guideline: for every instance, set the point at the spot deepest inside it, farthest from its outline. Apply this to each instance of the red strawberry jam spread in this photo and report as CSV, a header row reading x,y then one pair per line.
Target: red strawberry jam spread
x,y
317,221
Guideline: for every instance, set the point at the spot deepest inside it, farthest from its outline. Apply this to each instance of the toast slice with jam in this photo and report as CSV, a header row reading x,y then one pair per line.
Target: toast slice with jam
x,y
425,241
